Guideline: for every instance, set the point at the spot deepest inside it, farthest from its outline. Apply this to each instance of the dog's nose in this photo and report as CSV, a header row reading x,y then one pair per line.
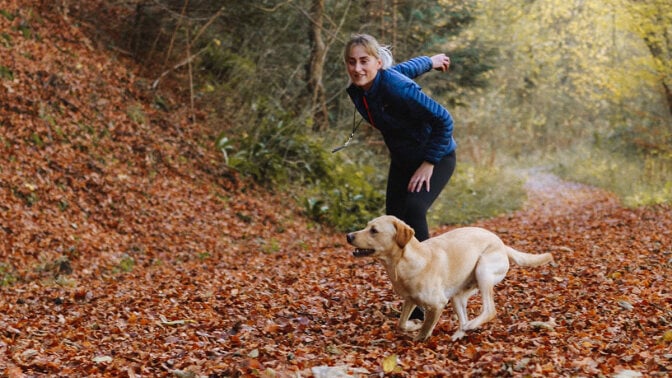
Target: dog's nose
x,y
350,237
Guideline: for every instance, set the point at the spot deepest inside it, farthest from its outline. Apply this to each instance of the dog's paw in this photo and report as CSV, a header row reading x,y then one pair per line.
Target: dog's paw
x,y
412,325
458,335
422,336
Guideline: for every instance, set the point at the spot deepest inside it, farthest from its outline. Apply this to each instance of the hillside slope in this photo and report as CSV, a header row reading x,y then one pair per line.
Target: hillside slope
x,y
92,170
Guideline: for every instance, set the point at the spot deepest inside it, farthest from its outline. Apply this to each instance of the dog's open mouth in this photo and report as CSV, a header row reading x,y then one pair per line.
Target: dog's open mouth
x,y
359,252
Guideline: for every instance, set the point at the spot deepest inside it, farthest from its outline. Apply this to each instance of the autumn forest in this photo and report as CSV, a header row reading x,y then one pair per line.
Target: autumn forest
x,y
170,205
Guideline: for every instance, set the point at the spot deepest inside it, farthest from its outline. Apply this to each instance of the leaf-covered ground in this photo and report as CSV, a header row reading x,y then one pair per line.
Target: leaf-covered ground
x,y
128,249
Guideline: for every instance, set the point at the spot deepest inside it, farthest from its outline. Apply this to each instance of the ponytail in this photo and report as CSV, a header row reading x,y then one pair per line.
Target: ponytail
x,y
385,55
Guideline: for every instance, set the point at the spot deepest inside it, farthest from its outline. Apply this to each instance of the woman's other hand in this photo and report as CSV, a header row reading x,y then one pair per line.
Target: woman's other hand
x,y
421,177
440,62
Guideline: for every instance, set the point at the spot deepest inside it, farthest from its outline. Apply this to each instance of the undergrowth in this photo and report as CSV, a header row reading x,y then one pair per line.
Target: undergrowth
x,y
8,275
346,190
477,192
638,180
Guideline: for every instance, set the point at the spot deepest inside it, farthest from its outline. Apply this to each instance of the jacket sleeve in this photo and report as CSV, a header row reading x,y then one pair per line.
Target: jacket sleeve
x,y
430,112
414,67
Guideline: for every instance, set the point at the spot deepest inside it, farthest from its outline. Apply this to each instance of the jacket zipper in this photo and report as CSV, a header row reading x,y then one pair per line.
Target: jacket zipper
x,y
368,112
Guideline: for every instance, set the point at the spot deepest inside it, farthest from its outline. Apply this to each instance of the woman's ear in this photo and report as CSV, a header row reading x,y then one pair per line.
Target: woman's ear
x,y
404,233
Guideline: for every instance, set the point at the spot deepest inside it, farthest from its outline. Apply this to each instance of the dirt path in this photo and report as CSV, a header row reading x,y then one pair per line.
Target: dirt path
x,y
549,195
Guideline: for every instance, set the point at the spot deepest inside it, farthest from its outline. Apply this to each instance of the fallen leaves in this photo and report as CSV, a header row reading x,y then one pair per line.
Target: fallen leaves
x,y
391,364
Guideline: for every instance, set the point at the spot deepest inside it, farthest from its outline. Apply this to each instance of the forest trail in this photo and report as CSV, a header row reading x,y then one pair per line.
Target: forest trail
x,y
548,195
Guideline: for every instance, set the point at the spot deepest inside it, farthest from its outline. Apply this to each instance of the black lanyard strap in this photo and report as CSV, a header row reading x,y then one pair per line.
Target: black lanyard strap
x,y
355,126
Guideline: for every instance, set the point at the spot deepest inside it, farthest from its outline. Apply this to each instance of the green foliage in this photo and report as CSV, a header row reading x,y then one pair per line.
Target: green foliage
x,y
63,204
6,73
477,192
7,14
54,266
203,256
125,265
573,74
270,246
276,152
37,140
27,193
7,275
637,180
437,27
347,199
643,138
226,67
229,82
6,41
347,189
280,155
650,20
136,113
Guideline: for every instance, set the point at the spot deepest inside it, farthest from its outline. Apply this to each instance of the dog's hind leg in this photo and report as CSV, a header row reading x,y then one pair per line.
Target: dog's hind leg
x,y
460,306
491,270
488,312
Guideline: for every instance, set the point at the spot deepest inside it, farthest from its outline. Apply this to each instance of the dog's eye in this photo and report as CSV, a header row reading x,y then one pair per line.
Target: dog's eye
x,y
373,230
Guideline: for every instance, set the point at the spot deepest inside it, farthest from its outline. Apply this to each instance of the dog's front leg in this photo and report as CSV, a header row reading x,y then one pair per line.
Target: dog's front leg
x,y
404,324
432,315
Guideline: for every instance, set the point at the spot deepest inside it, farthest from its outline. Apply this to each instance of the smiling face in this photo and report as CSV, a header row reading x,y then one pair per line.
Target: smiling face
x,y
362,66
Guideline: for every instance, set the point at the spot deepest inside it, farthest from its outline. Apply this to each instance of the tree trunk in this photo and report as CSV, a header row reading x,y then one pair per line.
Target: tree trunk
x,y
393,39
668,96
316,67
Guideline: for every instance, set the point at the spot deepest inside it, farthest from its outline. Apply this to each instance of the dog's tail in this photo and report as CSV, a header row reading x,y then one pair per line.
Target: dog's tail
x,y
528,259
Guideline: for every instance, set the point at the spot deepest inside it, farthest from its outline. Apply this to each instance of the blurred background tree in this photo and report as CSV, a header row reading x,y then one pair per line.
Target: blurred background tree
x,y
578,84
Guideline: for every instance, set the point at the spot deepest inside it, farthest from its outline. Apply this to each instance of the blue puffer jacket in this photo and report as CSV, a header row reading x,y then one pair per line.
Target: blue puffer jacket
x,y
415,127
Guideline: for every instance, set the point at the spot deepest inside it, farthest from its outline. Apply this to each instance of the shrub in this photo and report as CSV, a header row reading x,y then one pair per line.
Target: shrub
x,y
278,154
638,180
346,190
477,192
345,201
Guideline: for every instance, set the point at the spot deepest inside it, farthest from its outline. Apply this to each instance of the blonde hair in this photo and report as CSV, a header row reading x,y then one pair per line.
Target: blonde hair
x,y
372,47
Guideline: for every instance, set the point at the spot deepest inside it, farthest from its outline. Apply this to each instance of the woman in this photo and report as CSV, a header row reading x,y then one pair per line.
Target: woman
x,y
417,130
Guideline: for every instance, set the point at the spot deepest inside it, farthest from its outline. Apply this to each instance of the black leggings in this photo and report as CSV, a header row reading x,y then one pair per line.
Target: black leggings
x,y
411,207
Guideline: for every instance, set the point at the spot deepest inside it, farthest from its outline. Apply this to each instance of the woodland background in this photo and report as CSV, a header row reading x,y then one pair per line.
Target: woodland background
x,y
582,87
169,205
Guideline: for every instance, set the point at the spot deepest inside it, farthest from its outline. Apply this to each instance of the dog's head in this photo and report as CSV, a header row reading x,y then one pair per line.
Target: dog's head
x,y
382,236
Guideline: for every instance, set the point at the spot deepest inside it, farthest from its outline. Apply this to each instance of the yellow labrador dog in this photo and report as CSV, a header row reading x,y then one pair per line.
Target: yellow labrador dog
x,y
428,274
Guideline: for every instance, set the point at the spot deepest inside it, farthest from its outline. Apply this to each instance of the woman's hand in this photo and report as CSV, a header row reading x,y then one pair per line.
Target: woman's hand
x,y
440,62
421,177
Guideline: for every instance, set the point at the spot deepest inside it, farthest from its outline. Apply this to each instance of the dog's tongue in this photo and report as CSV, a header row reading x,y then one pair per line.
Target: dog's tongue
x,y
362,252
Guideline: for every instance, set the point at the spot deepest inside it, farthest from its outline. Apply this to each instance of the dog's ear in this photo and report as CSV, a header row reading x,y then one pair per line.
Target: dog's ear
x,y
404,233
